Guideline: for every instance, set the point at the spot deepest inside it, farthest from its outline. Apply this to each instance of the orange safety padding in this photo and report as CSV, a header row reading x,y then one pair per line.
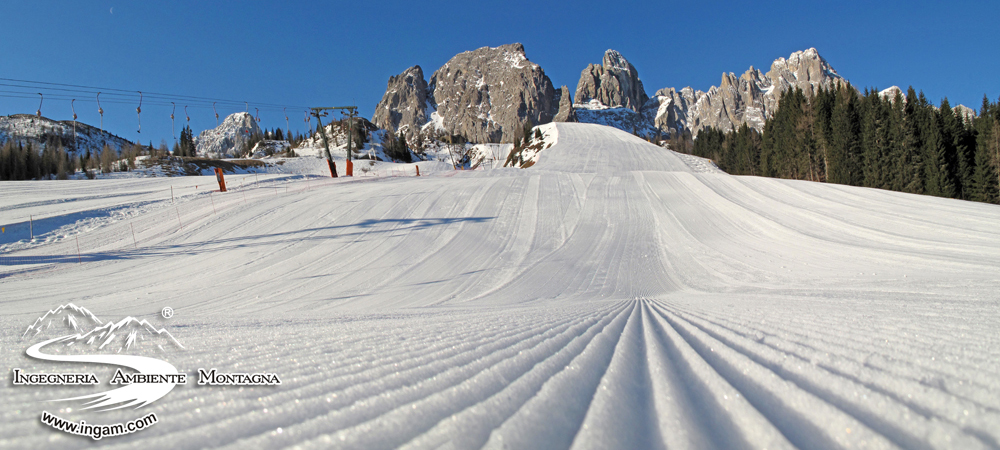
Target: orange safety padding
x,y
222,180
333,168
350,168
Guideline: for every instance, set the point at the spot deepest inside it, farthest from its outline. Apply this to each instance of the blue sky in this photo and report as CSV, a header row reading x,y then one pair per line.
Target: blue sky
x,y
321,53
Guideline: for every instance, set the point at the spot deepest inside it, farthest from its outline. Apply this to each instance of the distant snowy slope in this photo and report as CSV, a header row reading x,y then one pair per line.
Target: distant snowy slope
x,y
26,128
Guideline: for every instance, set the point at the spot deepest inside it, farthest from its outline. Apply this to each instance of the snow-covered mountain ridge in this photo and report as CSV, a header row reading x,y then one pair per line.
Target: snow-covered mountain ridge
x,y
610,93
750,98
28,128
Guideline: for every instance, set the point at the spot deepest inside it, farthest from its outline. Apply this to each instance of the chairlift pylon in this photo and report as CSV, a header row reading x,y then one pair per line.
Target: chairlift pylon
x,y
40,100
216,114
172,121
74,121
101,112
138,112
287,128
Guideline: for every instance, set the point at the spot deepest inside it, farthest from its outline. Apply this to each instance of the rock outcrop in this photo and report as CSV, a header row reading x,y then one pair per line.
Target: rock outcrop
x,y
753,97
566,112
669,108
484,95
614,83
404,105
229,138
750,98
487,95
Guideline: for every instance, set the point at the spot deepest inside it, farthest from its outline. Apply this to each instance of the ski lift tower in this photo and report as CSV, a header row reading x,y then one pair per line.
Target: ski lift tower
x,y
351,113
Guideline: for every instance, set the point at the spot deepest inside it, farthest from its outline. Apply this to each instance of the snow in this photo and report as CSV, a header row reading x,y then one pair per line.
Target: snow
x,y
436,123
613,295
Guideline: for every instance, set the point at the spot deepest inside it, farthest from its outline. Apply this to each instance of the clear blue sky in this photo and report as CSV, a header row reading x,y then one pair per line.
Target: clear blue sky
x,y
321,53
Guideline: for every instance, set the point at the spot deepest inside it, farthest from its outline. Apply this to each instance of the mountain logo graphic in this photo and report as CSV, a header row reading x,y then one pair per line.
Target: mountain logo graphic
x,y
73,334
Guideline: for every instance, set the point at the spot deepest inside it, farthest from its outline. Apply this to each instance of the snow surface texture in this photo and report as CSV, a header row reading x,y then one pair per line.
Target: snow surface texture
x,y
611,296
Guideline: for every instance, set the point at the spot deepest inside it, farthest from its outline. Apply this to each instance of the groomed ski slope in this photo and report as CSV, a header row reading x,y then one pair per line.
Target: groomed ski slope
x,y
614,295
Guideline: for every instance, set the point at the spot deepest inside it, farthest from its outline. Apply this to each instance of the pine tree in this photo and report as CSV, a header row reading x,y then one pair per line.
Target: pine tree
x,y
186,144
909,164
843,143
937,177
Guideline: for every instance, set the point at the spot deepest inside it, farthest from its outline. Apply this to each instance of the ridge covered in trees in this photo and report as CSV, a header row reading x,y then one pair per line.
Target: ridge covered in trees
x,y
867,139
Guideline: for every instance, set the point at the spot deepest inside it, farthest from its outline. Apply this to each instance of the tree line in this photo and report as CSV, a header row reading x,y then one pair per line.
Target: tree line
x,y
22,161
900,143
53,159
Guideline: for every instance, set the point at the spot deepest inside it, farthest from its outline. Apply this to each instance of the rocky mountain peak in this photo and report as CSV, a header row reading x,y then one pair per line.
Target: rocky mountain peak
x,y
404,105
566,112
806,70
614,60
749,98
484,95
613,84
754,96
229,138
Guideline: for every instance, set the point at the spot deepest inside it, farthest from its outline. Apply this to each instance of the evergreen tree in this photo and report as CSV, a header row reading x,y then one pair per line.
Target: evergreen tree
x,y
937,177
526,131
843,144
185,145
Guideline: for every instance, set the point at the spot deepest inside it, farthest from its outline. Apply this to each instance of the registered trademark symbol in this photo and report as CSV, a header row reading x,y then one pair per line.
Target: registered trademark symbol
x,y
167,312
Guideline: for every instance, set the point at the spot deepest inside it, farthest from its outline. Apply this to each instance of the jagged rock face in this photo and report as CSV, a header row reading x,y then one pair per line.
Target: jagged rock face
x,y
615,83
26,128
734,102
229,138
404,105
566,112
805,70
669,108
486,95
753,97
749,99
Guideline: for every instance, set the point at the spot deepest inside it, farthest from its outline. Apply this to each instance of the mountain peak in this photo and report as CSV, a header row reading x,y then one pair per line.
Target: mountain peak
x,y
614,83
229,138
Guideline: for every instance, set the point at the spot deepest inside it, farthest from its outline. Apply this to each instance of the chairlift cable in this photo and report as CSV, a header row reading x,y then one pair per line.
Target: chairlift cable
x,y
125,91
